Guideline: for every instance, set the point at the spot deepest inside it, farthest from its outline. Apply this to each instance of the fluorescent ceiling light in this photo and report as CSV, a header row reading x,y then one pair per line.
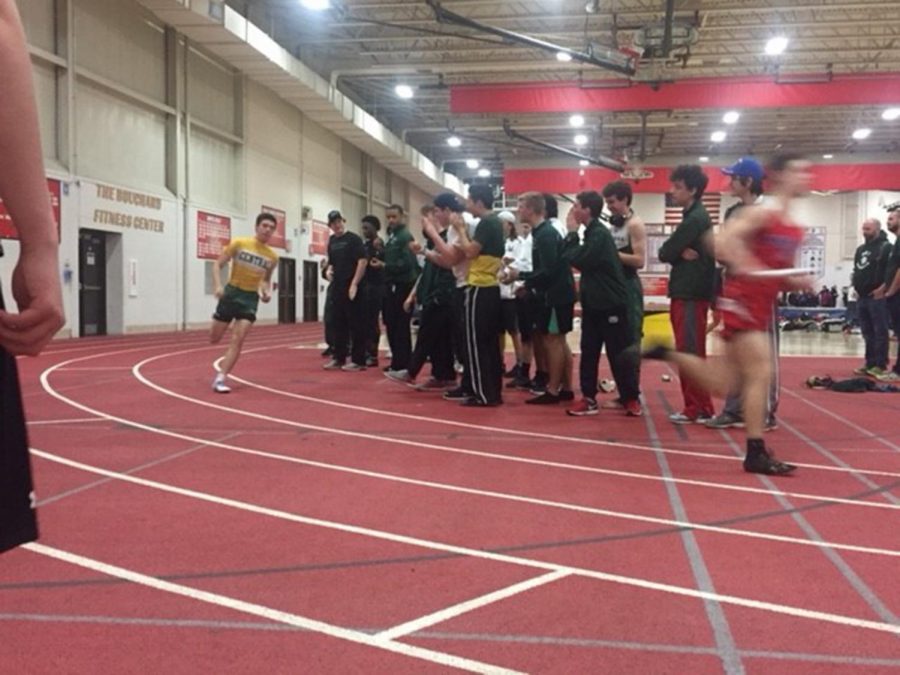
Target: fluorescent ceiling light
x,y
718,136
316,5
583,162
484,173
891,114
731,117
454,141
578,120
827,156
581,139
704,158
861,134
776,45
472,163
403,91
563,57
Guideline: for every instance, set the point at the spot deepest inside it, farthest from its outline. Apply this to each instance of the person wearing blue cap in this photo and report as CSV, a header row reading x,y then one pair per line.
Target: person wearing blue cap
x,y
746,184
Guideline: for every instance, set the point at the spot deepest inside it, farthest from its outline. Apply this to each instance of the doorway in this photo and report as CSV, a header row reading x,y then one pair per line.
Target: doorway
x,y
287,290
310,290
92,282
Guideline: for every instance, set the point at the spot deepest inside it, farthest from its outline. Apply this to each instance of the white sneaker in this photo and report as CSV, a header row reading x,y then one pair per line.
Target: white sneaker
x,y
220,387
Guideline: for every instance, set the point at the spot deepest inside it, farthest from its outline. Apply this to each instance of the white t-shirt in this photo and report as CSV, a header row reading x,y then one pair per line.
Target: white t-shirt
x,y
461,269
511,251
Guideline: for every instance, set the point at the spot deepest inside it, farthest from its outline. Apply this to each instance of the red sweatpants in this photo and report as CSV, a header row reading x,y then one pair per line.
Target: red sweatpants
x,y
689,325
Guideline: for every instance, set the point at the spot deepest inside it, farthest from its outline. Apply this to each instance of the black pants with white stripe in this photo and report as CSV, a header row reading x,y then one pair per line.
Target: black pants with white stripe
x,y
434,343
483,325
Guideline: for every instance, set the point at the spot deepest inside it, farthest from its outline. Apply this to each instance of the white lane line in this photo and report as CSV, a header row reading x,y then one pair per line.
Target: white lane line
x,y
74,420
383,438
484,493
266,612
498,430
448,613
528,434
487,555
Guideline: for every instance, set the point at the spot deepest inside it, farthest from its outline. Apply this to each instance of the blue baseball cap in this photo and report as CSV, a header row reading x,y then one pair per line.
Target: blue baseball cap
x,y
745,167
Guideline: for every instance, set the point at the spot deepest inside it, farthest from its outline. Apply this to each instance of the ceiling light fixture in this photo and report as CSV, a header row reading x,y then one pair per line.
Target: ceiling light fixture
x,y
861,134
718,136
580,139
731,117
576,121
563,57
404,91
583,162
891,114
472,163
827,156
484,173
454,141
704,158
776,45
316,5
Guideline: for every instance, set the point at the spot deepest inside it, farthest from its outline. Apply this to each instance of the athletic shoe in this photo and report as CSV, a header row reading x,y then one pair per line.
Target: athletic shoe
x,y
771,423
703,418
458,394
538,389
658,353
401,376
472,402
519,382
875,371
890,376
545,398
566,395
584,407
680,418
333,365
633,408
512,372
433,384
327,352
613,404
220,387
763,462
725,421
862,370
352,367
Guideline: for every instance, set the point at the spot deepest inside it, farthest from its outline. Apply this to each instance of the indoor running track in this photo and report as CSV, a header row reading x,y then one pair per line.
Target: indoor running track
x,y
317,521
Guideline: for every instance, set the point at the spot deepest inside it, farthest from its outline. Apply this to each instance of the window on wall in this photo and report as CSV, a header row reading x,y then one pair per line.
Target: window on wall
x,y
353,208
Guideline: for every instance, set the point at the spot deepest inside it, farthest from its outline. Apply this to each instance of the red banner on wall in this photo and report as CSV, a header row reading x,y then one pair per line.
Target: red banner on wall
x,y
278,237
318,243
7,227
213,235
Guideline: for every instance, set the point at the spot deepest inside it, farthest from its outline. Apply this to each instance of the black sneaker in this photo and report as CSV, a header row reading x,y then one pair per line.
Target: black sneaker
x,y
764,463
566,395
327,352
472,402
458,394
725,420
519,383
544,399
512,372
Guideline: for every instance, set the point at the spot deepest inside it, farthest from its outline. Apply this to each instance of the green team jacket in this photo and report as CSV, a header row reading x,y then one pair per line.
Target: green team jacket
x,y
602,284
690,279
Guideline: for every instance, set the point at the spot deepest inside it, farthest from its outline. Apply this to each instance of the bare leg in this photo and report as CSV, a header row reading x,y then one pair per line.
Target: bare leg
x,y
712,374
556,361
753,356
217,330
540,353
238,333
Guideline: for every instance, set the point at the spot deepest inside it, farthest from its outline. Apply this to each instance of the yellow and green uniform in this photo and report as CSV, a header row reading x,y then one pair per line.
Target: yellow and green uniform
x,y
483,269
250,262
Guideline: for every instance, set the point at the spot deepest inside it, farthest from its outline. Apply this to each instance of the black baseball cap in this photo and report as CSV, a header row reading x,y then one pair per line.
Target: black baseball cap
x,y
448,200
334,215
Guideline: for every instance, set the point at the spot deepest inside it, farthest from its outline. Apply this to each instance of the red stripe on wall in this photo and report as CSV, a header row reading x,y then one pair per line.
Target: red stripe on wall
x,y
569,181
698,93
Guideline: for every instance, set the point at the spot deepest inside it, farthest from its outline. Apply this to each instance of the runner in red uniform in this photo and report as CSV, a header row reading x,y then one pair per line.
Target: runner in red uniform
x,y
761,238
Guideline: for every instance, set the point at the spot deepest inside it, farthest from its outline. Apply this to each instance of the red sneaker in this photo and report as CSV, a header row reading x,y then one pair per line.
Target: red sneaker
x,y
584,407
633,408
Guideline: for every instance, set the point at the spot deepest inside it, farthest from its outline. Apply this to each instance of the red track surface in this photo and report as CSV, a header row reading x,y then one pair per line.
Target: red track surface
x,y
337,522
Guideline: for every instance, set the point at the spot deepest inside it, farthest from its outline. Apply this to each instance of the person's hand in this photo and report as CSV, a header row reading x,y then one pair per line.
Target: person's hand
x,y
265,295
457,222
352,292
376,263
511,274
689,254
408,304
415,247
715,320
521,292
878,293
219,292
36,288
329,274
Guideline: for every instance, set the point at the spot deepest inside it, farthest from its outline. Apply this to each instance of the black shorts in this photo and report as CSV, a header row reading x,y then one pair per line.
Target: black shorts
x,y
555,320
237,304
18,522
508,314
525,311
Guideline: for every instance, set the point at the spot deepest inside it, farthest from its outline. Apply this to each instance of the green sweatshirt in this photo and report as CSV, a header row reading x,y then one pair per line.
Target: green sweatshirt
x,y
690,279
400,265
602,277
551,277
437,284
